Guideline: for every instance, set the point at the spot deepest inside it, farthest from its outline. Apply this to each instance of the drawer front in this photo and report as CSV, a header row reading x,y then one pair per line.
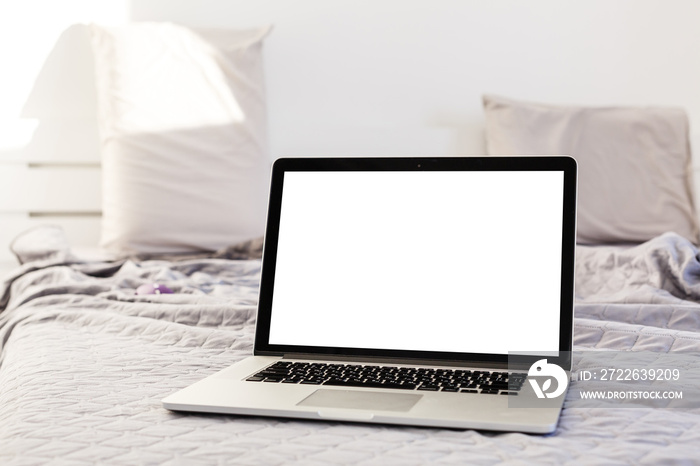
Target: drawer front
x,y
81,231
26,188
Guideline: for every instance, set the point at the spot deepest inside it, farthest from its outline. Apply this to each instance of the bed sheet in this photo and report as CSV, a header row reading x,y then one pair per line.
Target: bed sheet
x,y
84,363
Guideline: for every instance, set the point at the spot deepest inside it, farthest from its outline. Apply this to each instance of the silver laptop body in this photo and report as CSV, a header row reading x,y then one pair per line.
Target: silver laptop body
x,y
439,268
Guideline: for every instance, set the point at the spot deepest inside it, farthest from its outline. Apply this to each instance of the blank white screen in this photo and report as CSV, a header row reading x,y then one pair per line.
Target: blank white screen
x,y
429,261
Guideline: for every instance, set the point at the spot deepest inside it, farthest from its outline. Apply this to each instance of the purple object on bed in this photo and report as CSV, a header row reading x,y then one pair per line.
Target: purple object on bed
x,y
153,288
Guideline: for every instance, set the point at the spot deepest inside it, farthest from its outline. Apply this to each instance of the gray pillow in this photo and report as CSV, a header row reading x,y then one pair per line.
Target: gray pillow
x,y
635,174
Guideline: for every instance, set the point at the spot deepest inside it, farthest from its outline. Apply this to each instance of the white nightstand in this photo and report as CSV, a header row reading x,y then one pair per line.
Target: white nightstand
x,y
58,192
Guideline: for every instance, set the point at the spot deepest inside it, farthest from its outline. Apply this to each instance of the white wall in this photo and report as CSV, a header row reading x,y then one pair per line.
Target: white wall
x,y
366,77
46,76
396,66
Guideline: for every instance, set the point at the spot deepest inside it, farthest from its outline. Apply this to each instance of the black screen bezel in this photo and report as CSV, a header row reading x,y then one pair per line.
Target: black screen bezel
x,y
564,164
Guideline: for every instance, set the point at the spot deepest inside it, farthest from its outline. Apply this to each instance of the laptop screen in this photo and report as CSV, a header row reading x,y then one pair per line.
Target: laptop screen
x,y
431,261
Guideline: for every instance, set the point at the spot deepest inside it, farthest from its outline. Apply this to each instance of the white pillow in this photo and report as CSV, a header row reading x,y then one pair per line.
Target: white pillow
x,y
182,118
635,173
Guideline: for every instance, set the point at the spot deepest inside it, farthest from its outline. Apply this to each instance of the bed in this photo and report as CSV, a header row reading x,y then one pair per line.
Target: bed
x,y
85,360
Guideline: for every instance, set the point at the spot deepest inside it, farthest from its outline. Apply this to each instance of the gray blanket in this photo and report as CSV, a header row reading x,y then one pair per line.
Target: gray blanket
x,y
84,363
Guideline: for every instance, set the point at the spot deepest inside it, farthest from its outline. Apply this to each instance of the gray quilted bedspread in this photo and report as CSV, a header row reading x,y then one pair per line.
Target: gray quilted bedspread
x,y
84,363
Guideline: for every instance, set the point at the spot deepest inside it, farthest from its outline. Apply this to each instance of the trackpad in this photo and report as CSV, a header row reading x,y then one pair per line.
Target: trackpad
x,y
351,399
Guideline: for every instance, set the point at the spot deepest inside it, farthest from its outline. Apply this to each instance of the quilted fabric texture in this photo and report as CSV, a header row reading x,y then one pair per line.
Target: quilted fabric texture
x,y
84,363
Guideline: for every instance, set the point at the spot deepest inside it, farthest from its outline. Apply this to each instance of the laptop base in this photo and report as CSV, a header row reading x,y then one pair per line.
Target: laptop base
x,y
227,392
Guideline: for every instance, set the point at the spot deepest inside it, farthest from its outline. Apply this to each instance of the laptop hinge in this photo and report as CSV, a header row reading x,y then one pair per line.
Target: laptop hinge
x,y
402,361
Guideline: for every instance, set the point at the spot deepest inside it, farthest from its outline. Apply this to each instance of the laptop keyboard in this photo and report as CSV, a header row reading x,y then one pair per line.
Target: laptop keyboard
x,y
403,378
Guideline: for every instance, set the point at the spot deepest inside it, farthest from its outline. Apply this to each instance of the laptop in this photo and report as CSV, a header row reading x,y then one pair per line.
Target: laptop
x,y
396,290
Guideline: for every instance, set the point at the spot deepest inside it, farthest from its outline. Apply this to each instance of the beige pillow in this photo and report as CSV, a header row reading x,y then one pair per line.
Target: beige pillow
x,y
635,174
182,118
